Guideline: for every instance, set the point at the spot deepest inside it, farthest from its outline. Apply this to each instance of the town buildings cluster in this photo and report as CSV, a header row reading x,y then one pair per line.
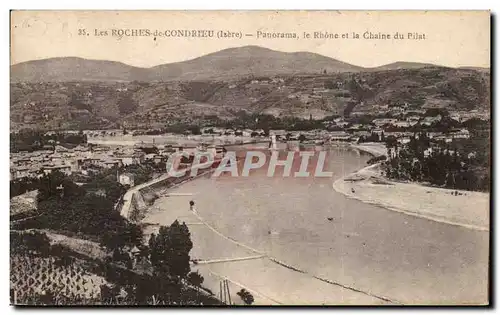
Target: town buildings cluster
x,y
87,158
401,122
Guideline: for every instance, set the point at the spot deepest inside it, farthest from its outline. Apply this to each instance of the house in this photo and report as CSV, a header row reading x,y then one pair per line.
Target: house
x,y
461,134
428,152
456,116
130,159
168,150
412,118
20,172
404,140
127,179
402,124
65,169
430,120
339,136
23,162
159,158
396,110
343,124
150,156
278,132
111,163
444,138
379,122
433,134
362,133
56,158
60,149
356,127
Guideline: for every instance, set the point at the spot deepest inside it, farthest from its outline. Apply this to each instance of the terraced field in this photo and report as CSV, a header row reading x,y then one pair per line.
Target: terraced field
x,y
35,275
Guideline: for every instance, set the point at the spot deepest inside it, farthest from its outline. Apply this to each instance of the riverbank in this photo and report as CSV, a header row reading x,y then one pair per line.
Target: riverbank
x,y
373,148
466,208
220,257
133,200
173,139
327,249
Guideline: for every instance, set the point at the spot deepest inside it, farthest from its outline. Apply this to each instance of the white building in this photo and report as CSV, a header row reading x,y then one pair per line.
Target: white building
x,y
127,179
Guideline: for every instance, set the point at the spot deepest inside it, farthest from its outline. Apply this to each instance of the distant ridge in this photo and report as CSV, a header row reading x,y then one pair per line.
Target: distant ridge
x,y
75,69
404,65
225,64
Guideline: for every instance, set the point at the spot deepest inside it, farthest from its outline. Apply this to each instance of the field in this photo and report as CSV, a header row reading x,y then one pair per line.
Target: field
x,y
34,275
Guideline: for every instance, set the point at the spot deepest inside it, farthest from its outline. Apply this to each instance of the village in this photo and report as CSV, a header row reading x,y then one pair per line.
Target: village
x,y
116,148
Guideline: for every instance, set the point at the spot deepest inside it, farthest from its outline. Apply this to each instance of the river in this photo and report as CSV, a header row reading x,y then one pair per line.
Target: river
x,y
367,253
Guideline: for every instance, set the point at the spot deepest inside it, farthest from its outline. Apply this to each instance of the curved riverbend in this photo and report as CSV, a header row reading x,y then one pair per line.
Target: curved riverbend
x,y
384,253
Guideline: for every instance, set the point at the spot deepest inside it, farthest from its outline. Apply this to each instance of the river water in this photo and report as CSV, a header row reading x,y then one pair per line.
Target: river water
x,y
306,224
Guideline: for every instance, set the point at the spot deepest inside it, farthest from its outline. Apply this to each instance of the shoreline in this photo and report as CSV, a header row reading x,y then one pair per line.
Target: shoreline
x,y
217,266
231,260
262,264
432,203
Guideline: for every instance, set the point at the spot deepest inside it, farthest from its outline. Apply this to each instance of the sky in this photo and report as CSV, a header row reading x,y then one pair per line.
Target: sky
x,y
452,38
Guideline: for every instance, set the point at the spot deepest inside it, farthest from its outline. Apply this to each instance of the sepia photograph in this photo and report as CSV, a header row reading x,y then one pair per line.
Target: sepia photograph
x,y
250,158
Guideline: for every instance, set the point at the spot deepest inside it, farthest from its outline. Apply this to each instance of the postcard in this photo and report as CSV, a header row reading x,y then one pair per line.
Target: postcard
x,y
249,158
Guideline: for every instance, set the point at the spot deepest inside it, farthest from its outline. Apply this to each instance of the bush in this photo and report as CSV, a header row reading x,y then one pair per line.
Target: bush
x,y
376,159
30,242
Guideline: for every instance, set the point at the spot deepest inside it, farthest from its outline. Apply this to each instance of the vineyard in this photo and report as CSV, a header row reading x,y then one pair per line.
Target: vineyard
x,y
38,276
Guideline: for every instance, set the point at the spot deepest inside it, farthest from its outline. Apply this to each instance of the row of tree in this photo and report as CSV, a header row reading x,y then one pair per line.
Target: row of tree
x,y
453,165
32,140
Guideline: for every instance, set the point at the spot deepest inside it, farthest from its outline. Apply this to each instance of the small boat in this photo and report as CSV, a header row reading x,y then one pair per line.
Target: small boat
x,y
330,219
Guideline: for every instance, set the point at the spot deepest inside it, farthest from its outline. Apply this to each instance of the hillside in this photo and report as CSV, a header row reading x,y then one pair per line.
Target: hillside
x,y
88,104
402,65
249,60
75,69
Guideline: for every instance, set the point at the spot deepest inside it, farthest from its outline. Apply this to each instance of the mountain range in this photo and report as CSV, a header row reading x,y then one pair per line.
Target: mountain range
x,y
76,93
226,64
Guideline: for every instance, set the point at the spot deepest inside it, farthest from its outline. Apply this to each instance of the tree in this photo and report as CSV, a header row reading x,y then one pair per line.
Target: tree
x,y
266,131
195,130
116,237
170,251
195,279
33,241
70,189
49,185
246,296
391,142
